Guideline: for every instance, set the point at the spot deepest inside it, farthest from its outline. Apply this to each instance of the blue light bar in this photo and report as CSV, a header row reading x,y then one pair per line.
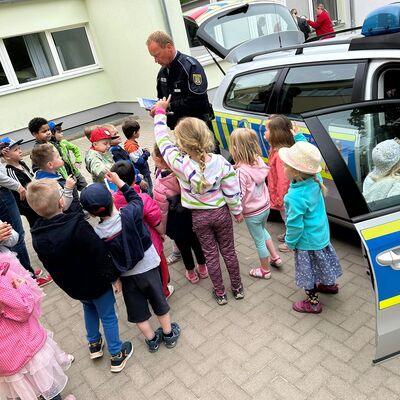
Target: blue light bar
x,y
382,21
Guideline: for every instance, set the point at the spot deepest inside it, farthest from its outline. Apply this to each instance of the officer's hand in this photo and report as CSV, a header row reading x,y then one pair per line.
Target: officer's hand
x,y
163,103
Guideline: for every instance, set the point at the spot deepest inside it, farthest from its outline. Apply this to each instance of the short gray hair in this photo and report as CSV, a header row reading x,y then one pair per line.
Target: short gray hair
x,y
159,37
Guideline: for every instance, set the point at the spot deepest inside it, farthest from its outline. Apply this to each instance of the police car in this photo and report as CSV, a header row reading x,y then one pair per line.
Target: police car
x,y
344,94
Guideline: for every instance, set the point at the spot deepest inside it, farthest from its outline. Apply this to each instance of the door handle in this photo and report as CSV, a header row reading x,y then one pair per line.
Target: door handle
x,y
389,258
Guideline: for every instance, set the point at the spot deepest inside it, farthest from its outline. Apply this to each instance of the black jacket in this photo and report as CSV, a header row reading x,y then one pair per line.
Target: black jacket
x,y
128,246
186,81
74,255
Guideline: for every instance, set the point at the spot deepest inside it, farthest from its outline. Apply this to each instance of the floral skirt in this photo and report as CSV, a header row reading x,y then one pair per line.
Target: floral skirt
x,y
316,266
42,375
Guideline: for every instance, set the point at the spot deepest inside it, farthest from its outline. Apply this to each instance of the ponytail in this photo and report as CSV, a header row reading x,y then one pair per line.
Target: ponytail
x,y
323,188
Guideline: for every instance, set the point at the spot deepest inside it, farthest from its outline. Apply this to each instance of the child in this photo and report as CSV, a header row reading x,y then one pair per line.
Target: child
x,y
279,132
384,180
31,363
209,187
48,160
89,129
176,220
64,148
80,265
307,230
151,217
131,129
20,172
39,128
252,172
98,158
129,243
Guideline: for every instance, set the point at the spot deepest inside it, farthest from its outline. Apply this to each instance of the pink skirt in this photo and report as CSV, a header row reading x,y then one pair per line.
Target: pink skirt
x,y
43,375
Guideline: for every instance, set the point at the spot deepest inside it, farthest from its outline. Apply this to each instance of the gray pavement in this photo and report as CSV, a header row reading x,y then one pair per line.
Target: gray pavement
x,y
254,348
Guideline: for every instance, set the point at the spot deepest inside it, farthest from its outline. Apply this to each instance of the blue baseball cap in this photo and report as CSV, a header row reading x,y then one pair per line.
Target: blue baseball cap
x,y
7,142
52,125
96,198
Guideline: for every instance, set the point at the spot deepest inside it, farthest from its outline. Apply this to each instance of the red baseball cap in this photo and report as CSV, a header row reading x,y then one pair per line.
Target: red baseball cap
x,y
100,134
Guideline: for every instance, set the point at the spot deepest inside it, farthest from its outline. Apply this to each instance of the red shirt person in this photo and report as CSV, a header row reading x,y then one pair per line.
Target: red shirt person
x,y
323,24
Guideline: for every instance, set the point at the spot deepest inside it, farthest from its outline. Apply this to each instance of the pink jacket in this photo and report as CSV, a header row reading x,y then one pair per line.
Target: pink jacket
x,y
253,190
164,188
278,183
151,215
21,335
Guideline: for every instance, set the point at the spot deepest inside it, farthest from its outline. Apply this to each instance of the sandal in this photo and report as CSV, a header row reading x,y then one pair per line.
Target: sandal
x,y
276,262
260,273
192,276
328,289
202,271
304,306
281,237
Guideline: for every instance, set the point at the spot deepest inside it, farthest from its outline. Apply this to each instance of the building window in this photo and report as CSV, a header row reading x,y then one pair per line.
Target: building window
x,y
44,55
73,48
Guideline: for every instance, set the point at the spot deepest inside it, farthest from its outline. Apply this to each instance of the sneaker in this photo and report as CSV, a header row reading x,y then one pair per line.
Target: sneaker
x,y
173,258
44,281
154,344
170,341
38,272
304,306
202,270
238,294
283,248
71,358
118,361
96,349
221,300
171,290
192,276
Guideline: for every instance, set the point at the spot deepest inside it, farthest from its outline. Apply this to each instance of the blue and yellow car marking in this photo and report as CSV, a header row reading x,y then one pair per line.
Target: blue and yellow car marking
x,y
378,239
225,123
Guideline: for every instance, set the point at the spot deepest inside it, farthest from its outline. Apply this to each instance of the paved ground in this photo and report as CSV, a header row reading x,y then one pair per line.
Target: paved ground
x,y
255,348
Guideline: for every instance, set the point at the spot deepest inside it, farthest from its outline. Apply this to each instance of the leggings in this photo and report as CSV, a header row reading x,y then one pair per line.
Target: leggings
x,y
256,226
215,232
186,246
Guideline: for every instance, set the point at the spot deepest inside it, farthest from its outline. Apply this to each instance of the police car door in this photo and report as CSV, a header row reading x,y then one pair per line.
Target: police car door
x,y
361,148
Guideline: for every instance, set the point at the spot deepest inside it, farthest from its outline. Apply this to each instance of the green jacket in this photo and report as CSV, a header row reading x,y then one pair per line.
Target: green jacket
x,y
65,148
98,163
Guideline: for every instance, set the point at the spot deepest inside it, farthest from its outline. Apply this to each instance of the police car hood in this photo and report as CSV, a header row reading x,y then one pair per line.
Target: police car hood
x,y
213,172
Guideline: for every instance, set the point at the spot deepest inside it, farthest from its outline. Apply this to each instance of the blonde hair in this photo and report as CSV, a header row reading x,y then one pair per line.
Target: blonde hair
x,y
245,147
280,131
43,197
301,176
159,37
193,136
110,127
89,129
393,172
42,154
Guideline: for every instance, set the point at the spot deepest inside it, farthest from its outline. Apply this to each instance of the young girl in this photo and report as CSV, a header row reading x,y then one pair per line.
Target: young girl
x,y
209,187
31,363
307,230
279,132
176,220
252,172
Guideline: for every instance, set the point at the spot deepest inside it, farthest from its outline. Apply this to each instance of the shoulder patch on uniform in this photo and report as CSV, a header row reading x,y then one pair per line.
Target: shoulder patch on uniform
x,y
197,79
193,62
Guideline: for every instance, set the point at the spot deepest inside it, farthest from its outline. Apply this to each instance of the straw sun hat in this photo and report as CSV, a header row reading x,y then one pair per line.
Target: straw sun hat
x,y
303,157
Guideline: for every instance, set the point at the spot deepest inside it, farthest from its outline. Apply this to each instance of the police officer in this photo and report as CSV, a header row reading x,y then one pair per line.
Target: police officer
x,y
182,77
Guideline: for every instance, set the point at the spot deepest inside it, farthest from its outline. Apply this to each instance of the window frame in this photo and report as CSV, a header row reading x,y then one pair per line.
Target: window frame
x,y
14,85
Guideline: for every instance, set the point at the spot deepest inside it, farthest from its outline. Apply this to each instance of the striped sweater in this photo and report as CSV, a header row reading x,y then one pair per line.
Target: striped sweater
x,y
223,187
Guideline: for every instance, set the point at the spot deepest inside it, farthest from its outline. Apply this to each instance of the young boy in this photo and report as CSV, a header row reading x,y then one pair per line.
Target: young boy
x,y
48,160
151,218
69,248
131,129
39,128
64,148
98,159
134,255
20,172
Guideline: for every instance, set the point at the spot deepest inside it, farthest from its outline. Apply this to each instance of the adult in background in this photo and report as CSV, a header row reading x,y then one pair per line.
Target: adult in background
x,y
323,23
301,23
182,77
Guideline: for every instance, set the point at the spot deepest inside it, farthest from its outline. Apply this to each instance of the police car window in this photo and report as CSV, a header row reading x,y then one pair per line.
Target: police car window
x,y
316,86
391,84
368,139
251,92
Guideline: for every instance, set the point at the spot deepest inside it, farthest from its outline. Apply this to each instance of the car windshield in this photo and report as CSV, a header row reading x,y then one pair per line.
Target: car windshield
x,y
246,23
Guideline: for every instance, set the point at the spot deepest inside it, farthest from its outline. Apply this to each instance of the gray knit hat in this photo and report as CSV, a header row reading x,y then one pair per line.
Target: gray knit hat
x,y
385,156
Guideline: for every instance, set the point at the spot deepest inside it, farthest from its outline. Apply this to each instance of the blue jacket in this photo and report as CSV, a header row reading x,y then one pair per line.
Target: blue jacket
x,y
120,154
128,246
307,225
